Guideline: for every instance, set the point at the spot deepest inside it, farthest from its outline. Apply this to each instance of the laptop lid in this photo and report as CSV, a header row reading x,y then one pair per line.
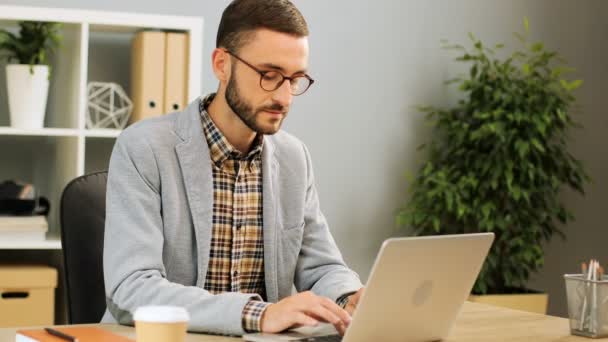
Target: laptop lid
x,y
417,287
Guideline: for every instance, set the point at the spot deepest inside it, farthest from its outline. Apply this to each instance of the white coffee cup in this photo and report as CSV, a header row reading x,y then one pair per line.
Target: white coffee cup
x,y
161,323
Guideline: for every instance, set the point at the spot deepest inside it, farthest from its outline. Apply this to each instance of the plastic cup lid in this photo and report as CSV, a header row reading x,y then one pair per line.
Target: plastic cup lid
x,y
161,314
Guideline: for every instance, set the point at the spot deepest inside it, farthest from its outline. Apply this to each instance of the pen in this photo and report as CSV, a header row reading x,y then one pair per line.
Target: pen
x,y
593,306
584,309
584,268
61,335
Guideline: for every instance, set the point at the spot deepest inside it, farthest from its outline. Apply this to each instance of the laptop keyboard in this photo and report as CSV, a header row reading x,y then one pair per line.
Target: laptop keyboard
x,y
327,338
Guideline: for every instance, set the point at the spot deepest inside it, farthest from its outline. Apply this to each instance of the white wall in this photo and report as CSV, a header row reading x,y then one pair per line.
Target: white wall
x,y
373,62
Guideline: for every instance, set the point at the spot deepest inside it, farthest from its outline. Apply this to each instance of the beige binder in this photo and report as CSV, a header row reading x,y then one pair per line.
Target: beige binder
x,y
147,74
176,72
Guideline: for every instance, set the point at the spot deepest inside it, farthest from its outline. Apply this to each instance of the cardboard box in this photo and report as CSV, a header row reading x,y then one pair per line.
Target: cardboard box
x,y
27,295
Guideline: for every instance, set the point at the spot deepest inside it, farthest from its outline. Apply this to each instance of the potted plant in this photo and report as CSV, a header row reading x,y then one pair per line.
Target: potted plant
x,y
28,79
498,160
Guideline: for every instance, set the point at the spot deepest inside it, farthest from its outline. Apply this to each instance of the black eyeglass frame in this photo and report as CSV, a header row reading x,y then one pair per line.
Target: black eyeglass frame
x,y
279,84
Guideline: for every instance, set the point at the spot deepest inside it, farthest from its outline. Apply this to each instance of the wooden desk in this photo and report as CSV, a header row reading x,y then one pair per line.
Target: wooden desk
x,y
477,322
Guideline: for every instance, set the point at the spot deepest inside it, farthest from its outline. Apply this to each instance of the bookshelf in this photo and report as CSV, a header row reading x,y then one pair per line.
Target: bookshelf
x,y
51,243
96,47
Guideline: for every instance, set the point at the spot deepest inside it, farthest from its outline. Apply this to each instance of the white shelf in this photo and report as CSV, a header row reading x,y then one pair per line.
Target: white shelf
x,y
60,132
116,21
49,132
102,133
93,42
50,243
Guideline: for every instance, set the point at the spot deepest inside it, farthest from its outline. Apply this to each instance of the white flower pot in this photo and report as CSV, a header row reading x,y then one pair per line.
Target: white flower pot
x,y
27,95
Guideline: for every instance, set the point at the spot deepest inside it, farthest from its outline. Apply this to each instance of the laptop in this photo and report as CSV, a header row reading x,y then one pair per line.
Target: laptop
x,y
414,292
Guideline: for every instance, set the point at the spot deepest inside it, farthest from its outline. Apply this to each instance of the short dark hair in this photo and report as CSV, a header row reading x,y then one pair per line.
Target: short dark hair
x,y
242,17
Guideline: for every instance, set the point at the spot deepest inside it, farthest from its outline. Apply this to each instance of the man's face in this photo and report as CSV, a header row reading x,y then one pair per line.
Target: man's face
x,y
263,111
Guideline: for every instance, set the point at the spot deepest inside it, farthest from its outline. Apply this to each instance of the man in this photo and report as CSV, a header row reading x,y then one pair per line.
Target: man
x,y
215,209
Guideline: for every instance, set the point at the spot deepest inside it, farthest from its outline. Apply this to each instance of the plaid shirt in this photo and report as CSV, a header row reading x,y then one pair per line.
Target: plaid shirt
x,y
236,260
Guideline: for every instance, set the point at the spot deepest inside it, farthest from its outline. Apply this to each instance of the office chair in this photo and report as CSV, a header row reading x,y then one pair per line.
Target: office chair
x,y
83,209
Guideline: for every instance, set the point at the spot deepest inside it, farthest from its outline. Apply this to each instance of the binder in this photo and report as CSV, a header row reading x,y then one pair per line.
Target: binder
x,y
176,71
147,74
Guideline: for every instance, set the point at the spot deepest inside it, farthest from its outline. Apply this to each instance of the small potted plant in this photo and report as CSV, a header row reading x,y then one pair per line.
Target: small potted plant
x,y
497,163
28,70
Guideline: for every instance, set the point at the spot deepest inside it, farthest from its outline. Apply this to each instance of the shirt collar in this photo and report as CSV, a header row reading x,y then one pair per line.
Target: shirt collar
x,y
219,147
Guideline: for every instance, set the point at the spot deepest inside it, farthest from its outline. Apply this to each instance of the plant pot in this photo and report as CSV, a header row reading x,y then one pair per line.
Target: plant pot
x,y
27,95
531,302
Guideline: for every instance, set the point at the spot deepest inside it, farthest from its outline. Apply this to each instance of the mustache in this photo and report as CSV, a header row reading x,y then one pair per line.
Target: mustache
x,y
275,107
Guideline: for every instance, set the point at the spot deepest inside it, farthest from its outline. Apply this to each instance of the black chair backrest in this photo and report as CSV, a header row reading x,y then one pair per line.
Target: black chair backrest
x,y
83,209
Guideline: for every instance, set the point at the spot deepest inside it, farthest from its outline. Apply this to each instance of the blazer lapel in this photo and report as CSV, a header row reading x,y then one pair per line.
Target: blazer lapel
x,y
269,187
195,164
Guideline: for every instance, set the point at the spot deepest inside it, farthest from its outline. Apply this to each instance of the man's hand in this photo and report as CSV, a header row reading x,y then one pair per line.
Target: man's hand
x,y
304,308
353,301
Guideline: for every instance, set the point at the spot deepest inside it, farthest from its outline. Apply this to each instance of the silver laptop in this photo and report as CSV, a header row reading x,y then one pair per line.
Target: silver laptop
x,y
414,293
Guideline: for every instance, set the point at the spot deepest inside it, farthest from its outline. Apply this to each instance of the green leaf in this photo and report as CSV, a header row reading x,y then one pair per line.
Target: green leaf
x,y
570,85
541,127
537,47
427,169
526,196
509,178
419,217
460,211
449,200
436,224
486,209
561,115
531,174
538,145
526,25
575,84
522,148
464,58
516,192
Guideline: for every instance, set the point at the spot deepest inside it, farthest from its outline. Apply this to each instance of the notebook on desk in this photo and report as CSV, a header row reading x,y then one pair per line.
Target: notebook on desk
x,y
83,334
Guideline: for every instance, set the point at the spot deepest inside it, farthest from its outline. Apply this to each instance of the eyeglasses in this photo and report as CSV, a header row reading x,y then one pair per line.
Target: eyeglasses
x,y
273,80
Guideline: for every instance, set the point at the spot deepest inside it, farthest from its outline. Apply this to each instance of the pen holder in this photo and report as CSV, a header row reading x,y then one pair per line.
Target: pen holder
x,y
587,305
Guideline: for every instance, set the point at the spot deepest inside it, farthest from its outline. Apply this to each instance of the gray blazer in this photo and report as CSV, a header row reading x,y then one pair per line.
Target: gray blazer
x,y
159,219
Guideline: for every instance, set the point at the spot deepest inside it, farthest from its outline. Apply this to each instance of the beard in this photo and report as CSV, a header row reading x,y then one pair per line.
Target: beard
x,y
246,112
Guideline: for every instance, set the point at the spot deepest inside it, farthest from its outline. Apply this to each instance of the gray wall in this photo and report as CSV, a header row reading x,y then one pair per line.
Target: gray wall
x,y
374,61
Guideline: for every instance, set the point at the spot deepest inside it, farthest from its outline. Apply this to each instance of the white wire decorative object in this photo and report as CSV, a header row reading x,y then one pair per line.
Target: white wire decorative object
x,y
108,106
